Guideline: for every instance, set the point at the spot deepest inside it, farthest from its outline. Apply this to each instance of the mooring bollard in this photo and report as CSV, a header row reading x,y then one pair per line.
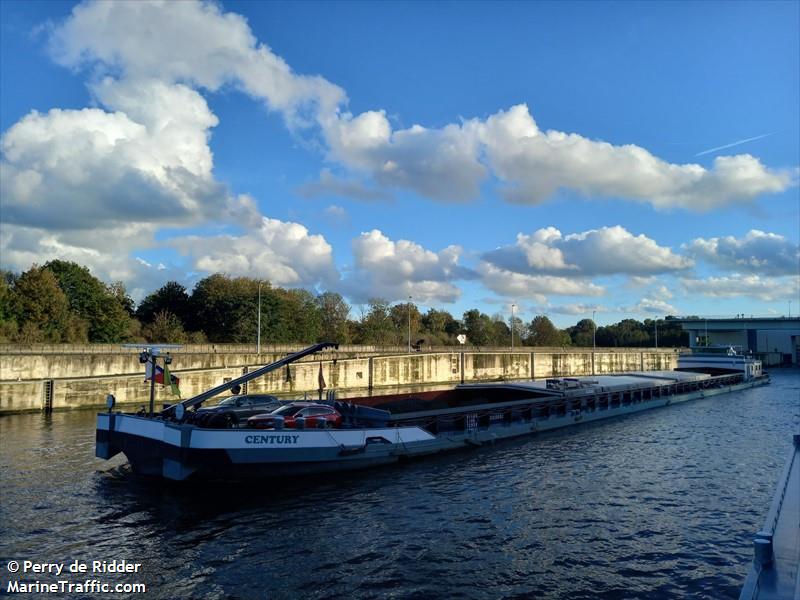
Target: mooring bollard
x,y
762,548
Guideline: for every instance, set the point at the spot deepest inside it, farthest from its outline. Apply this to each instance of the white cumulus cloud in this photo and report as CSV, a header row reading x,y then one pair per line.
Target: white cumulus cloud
x,y
768,289
535,164
756,252
394,270
283,252
604,251
534,287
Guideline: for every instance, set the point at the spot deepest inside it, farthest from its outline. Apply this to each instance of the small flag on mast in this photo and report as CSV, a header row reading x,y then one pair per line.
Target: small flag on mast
x,y
173,380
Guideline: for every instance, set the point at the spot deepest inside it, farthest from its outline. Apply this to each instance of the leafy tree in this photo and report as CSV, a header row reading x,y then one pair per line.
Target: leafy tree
x,y
225,308
298,316
669,332
439,327
165,328
334,312
170,297
520,330
376,325
479,328
583,333
400,313
101,306
8,316
501,332
43,309
542,332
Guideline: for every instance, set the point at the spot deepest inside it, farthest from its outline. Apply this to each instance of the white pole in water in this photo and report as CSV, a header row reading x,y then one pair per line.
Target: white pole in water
x,y
258,337
512,326
409,324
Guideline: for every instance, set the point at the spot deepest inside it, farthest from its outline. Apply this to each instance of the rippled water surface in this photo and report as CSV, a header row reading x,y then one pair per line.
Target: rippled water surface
x,y
662,504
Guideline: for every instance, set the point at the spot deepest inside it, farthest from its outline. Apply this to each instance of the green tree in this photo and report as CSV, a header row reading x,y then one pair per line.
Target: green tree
x,y
101,306
520,330
376,325
334,312
8,316
582,333
299,316
439,327
542,332
165,328
500,331
478,327
400,314
43,309
225,308
171,297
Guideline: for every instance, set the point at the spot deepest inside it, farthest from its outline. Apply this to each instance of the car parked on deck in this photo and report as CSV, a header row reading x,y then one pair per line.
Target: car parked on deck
x,y
233,410
316,416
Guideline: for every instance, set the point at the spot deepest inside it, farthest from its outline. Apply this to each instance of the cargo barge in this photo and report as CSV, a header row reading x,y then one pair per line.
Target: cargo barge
x,y
177,444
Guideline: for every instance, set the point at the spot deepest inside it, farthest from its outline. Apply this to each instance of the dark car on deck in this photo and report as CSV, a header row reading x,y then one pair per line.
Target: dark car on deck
x,y
316,416
233,410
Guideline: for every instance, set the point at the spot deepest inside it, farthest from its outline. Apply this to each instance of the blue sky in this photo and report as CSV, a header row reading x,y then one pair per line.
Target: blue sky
x,y
550,155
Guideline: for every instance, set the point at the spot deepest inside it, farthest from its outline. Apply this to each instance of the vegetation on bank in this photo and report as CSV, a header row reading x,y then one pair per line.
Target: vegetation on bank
x,y
62,302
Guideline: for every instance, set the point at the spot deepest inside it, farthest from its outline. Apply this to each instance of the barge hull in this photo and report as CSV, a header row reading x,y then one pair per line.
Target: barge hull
x,y
179,452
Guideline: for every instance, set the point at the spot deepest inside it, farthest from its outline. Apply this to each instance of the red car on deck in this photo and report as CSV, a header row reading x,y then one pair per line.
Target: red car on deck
x,y
317,416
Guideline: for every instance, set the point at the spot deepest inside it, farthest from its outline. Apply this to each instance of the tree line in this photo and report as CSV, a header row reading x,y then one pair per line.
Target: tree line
x,y
62,302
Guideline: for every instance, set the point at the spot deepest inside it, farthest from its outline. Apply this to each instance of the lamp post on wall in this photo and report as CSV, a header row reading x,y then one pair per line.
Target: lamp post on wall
x,y
513,306
594,332
258,336
655,324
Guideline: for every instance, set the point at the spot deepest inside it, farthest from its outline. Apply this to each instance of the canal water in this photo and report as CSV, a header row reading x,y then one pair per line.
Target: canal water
x,y
662,504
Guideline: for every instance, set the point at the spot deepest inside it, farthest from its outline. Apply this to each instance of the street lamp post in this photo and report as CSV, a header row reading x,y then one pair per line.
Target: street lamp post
x,y
512,326
409,324
258,335
655,324
594,331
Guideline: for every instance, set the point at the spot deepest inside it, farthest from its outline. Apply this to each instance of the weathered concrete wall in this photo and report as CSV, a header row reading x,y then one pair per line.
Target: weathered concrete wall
x,y
617,363
344,374
660,361
58,366
304,377
561,364
486,366
20,396
416,368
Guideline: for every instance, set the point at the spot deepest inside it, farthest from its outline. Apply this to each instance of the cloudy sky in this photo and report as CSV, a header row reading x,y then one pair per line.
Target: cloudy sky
x,y
633,159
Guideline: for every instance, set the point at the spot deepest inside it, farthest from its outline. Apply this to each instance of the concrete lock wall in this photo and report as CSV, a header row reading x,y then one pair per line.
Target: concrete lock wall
x,y
21,396
561,364
200,372
485,366
617,363
416,369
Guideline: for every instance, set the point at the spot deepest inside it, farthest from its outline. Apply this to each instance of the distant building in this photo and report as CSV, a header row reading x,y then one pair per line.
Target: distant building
x,y
776,340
